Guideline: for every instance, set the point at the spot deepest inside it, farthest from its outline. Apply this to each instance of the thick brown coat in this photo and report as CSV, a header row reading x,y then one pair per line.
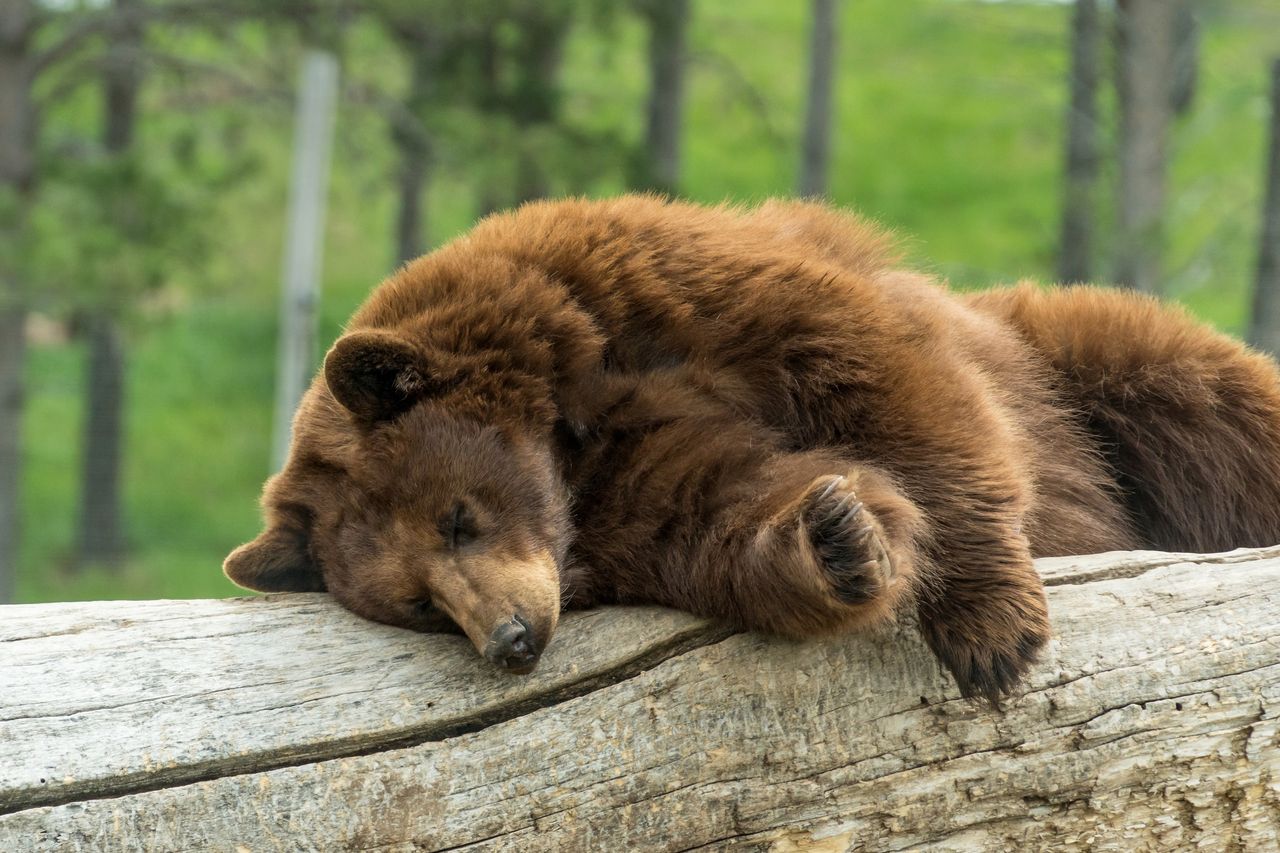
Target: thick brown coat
x,y
755,415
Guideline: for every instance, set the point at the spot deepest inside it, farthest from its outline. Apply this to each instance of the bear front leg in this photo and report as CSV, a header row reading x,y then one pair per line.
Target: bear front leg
x,y
986,617
813,554
713,518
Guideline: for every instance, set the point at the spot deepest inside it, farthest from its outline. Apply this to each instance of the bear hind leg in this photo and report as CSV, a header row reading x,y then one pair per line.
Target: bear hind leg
x,y
1187,418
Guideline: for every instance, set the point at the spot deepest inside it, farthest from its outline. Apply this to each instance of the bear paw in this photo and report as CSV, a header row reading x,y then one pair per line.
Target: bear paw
x,y
847,540
988,663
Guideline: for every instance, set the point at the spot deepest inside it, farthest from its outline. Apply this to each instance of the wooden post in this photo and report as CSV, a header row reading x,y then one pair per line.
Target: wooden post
x,y
287,723
313,133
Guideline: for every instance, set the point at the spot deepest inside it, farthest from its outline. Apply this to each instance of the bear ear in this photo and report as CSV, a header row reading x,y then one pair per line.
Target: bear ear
x,y
277,561
375,375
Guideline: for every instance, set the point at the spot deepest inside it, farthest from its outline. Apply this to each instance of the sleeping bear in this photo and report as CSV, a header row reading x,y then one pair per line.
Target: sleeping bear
x,y
754,415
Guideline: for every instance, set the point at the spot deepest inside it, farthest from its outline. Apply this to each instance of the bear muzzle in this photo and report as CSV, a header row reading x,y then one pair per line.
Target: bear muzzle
x,y
513,646
507,606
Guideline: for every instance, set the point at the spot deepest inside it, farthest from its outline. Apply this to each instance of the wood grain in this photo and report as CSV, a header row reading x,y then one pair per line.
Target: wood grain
x,y
284,724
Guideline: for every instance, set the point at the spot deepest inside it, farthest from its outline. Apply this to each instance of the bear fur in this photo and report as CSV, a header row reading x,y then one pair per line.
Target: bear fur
x,y
755,415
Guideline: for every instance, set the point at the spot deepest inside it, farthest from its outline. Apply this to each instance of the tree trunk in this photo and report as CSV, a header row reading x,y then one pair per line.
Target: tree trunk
x,y
12,352
1186,56
412,139
537,98
17,106
1076,260
491,197
816,156
1145,39
411,222
1264,331
17,180
287,723
122,80
101,537
668,25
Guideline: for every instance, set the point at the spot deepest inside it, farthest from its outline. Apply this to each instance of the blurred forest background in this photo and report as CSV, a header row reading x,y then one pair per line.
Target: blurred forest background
x,y
147,148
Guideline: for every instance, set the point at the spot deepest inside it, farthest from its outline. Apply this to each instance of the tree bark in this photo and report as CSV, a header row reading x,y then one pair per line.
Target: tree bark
x,y
101,539
1145,41
816,156
17,180
1075,262
1264,331
668,22
287,723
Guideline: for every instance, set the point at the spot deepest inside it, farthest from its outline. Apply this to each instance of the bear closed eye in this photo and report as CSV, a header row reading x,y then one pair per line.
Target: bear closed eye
x,y
753,415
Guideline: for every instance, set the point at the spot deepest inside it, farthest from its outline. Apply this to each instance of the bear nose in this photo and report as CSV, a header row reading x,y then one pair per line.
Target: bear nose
x,y
512,646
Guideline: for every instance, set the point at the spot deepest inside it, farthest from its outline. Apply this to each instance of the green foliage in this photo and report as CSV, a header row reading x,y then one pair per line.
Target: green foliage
x,y
107,229
485,76
949,129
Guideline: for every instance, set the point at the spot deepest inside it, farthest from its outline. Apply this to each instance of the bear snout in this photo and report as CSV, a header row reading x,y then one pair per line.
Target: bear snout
x,y
513,646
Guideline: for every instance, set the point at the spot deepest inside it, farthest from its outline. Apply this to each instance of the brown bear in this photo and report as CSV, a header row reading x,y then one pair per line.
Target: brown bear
x,y
752,415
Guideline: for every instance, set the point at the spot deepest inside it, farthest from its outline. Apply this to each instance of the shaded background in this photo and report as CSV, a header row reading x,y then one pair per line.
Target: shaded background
x,y
146,150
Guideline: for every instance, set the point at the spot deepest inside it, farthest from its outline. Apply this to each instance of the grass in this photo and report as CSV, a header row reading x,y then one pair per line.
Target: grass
x,y
949,130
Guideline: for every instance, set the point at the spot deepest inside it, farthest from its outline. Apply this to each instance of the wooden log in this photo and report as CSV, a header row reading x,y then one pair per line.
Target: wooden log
x,y
285,723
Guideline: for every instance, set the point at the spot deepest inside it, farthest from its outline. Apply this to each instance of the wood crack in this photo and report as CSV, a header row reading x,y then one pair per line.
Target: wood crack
x,y
143,782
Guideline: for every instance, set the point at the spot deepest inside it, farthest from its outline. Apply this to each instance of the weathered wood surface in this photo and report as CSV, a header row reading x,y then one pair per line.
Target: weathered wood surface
x,y
285,723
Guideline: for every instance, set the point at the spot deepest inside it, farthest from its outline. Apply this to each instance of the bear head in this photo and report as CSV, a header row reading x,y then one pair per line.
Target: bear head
x,y
411,506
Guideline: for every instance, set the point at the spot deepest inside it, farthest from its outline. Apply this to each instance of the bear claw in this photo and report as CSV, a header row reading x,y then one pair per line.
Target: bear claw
x,y
844,536
991,667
